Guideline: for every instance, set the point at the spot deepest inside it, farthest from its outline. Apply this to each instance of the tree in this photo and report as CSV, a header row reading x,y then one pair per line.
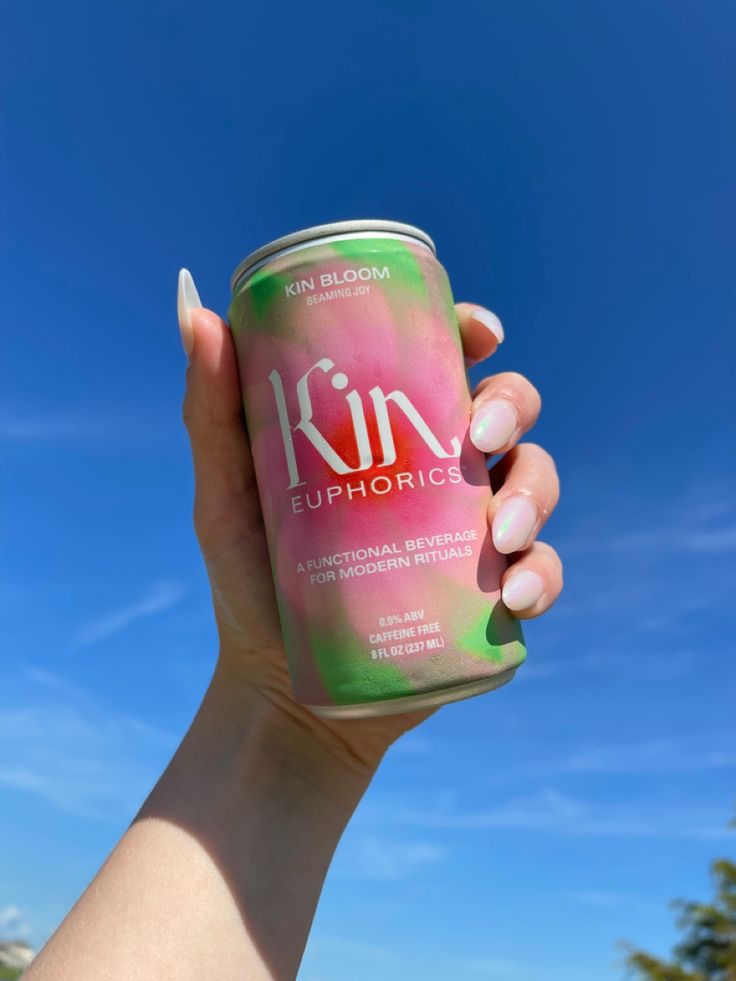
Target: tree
x,y
707,951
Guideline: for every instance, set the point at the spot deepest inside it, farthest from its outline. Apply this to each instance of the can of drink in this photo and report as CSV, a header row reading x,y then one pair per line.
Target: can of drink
x,y
374,500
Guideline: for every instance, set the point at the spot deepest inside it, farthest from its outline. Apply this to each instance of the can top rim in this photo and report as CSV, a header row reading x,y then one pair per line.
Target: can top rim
x,y
317,232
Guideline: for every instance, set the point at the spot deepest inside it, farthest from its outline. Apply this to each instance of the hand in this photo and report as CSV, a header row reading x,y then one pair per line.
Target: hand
x,y
251,674
235,840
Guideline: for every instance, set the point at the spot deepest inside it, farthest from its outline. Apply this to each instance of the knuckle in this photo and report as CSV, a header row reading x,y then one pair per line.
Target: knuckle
x,y
528,469
513,378
552,559
536,454
522,384
545,550
558,581
519,390
539,464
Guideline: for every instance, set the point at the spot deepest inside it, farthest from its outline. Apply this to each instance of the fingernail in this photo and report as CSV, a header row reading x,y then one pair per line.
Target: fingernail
x,y
513,524
494,423
187,298
522,590
491,321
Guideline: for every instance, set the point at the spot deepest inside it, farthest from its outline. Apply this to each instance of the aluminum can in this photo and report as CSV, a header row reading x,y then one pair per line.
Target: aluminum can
x,y
374,500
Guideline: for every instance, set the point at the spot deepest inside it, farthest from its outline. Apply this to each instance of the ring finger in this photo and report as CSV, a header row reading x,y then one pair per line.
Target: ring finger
x,y
526,489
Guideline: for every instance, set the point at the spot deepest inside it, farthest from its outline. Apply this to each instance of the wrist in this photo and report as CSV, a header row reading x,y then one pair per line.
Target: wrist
x,y
234,842
274,738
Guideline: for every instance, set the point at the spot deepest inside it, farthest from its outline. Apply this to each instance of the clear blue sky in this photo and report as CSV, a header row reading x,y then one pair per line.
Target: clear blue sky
x,y
575,163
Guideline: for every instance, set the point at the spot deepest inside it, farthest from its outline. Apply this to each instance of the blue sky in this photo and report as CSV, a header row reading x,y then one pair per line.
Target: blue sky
x,y
574,162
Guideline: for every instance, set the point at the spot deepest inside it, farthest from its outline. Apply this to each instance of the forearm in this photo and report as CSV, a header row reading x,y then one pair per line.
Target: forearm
x,y
220,874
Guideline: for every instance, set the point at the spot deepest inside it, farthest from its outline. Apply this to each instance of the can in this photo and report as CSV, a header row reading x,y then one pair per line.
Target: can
x,y
374,500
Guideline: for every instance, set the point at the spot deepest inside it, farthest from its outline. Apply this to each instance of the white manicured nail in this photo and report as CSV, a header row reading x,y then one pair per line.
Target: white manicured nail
x,y
522,590
493,424
489,320
513,524
187,298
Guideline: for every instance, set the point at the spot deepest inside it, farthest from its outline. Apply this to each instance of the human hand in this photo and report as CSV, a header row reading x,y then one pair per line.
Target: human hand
x,y
251,675
236,838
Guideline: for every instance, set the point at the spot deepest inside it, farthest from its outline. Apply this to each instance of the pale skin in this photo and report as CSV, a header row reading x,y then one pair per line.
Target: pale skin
x,y
220,873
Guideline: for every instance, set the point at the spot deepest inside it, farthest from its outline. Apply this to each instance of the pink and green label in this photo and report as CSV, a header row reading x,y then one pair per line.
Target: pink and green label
x,y
374,499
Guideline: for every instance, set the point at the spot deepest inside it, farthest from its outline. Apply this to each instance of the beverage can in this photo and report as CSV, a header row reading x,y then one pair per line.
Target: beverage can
x,y
374,500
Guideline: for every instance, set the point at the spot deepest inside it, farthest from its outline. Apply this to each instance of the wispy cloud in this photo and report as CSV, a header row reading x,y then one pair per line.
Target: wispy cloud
x,y
493,968
13,924
412,744
614,664
541,810
603,900
663,540
664,755
49,428
85,758
133,426
51,681
648,566
655,528
160,597
551,811
383,857
354,949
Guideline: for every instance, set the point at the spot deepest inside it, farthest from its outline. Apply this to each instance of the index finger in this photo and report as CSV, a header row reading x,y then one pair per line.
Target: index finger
x,y
480,330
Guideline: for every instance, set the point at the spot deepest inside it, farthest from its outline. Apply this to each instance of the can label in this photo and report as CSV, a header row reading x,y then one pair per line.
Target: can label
x,y
374,499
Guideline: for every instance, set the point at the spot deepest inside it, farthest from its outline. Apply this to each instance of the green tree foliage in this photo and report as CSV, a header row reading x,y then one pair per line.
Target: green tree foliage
x,y
707,951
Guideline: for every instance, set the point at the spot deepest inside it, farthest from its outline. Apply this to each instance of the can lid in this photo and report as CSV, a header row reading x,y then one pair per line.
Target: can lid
x,y
336,228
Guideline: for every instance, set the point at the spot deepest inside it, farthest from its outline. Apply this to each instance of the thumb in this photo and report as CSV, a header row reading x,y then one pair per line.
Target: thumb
x,y
226,504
